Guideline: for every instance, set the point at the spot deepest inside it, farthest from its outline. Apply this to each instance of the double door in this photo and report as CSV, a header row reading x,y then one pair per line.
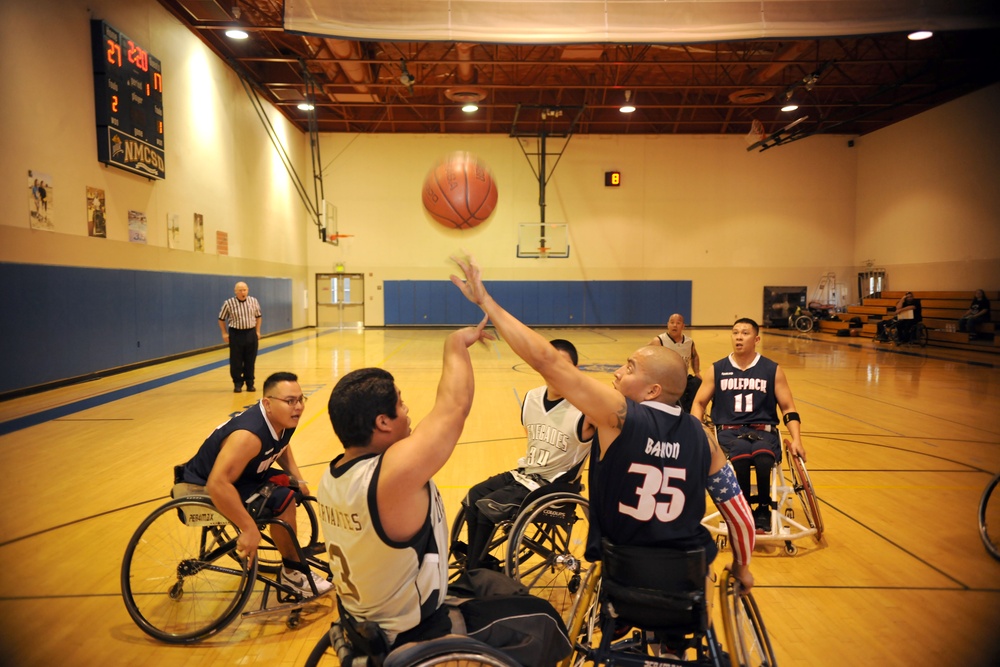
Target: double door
x,y
340,300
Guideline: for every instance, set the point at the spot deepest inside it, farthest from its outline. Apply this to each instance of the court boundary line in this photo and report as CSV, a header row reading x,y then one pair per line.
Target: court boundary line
x,y
51,414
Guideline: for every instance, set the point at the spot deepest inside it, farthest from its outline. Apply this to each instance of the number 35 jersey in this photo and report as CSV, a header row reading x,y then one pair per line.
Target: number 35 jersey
x,y
649,489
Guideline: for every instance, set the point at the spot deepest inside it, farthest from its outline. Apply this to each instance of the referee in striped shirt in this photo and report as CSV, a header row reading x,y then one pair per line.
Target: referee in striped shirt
x,y
242,315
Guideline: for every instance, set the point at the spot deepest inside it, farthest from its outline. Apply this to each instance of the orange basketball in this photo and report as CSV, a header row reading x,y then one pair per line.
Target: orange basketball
x,y
459,191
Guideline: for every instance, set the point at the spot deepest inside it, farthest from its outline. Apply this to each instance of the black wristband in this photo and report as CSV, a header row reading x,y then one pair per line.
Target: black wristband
x,y
791,417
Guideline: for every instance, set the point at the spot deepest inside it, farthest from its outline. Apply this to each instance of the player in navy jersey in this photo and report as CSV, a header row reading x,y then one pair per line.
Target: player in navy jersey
x,y
651,463
746,390
558,441
234,463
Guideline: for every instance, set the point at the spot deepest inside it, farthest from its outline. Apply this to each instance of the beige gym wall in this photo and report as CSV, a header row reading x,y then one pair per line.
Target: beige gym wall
x,y
917,198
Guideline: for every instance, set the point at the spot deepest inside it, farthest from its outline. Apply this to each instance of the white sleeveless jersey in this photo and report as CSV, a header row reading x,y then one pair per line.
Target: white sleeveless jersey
x,y
554,444
682,348
396,585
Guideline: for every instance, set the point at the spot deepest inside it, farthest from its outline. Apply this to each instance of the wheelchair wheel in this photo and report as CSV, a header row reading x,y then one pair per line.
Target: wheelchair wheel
x,y
805,491
919,335
453,650
584,621
181,579
803,323
306,531
496,547
546,552
989,518
746,635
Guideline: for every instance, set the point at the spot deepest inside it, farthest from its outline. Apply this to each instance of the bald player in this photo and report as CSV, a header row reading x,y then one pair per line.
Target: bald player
x,y
651,463
675,339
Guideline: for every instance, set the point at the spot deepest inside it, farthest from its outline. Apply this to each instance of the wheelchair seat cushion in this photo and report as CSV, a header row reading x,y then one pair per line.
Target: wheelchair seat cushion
x,y
185,489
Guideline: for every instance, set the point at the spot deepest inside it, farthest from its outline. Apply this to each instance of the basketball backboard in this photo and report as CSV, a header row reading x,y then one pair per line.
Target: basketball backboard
x,y
538,240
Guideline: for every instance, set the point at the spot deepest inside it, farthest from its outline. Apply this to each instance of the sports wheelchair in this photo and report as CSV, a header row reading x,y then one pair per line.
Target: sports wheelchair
x,y
182,580
805,321
541,544
918,334
364,644
639,596
785,528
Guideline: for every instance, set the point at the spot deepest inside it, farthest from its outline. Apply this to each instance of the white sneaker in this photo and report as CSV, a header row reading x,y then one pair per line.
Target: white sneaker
x,y
297,580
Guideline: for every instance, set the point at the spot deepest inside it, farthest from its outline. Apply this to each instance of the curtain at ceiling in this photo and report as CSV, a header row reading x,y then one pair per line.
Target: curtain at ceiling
x,y
627,21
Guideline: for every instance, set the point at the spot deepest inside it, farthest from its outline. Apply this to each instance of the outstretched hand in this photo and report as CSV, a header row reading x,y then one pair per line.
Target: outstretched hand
x,y
471,335
472,285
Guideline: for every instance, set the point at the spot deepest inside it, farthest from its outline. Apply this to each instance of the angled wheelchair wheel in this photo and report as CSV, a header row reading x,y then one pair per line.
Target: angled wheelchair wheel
x,y
746,635
584,624
919,335
989,518
181,578
306,532
805,492
496,547
803,323
548,541
452,650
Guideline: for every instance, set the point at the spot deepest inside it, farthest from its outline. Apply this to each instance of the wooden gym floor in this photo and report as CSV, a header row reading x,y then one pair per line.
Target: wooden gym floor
x,y
899,447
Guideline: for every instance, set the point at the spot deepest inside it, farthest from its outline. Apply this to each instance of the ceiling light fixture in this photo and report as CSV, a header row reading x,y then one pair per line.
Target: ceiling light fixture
x,y
919,35
306,106
405,77
628,107
789,103
470,107
236,33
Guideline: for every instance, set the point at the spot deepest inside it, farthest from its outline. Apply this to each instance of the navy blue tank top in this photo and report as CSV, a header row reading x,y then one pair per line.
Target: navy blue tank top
x,y
649,489
744,396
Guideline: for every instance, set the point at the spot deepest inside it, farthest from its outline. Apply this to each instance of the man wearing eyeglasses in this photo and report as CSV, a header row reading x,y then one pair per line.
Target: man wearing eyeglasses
x,y
234,465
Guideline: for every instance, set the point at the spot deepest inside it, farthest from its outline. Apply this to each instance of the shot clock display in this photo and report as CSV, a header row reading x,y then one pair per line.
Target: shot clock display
x,y
128,93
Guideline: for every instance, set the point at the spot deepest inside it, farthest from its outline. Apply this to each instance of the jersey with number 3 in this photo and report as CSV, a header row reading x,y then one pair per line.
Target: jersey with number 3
x,y
394,584
744,396
649,488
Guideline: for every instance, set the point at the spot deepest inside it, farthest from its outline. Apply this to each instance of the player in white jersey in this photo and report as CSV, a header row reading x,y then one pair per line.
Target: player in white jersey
x,y
559,439
384,522
675,339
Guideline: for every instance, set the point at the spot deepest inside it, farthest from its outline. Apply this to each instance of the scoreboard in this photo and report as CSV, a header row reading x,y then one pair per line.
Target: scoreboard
x,y
128,94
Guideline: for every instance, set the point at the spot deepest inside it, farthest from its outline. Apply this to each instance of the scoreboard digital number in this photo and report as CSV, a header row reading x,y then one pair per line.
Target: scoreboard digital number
x,y
612,179
128,93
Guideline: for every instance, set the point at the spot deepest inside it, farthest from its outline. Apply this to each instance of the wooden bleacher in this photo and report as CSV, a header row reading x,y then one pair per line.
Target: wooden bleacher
x,y
940,311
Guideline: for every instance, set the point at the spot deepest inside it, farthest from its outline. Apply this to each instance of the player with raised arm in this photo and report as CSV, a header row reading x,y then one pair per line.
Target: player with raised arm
x,y
651,463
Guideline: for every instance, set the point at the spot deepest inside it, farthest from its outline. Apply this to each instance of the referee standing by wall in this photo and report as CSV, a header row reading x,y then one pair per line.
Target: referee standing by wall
x,y
242,315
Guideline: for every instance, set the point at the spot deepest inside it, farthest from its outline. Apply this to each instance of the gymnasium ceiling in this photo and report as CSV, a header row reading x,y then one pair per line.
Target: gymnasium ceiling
x,y
389,72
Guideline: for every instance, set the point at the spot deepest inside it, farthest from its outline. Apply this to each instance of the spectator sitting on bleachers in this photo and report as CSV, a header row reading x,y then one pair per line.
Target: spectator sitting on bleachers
x,y
978,312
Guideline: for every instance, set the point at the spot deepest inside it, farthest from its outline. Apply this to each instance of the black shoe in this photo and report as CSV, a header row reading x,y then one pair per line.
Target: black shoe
x,y
250,387
762,519
237,389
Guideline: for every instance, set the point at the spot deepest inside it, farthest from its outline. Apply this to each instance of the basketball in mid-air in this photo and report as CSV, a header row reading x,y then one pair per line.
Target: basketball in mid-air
x,y
459,191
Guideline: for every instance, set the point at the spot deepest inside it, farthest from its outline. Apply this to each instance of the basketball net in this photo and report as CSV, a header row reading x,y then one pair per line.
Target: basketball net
x,y
756,133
